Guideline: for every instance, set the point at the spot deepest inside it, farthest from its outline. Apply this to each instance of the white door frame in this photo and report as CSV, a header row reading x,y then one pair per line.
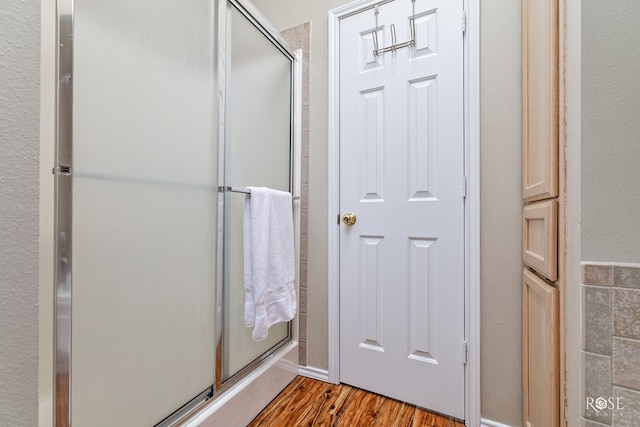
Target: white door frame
x,y
472,201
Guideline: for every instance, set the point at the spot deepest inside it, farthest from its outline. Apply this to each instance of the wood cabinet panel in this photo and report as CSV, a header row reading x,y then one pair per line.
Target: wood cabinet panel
x,y
540,99
540,353
540,238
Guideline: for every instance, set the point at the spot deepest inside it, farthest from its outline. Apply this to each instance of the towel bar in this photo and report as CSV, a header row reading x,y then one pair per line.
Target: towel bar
x,y
227,189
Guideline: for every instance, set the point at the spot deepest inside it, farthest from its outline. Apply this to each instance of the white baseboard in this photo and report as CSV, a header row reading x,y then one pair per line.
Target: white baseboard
x,y
489,423
315,373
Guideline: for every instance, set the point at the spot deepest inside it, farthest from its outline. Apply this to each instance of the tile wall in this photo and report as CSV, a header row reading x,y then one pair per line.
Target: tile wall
x,y
611,344
299,38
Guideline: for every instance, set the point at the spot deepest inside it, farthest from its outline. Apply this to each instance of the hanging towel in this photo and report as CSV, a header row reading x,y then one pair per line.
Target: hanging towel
x,y
269,260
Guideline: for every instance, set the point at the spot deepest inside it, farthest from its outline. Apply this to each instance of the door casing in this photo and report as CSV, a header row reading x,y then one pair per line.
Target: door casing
x,y
470,22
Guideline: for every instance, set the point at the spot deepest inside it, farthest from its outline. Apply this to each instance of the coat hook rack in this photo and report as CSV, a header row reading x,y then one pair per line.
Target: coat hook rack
x,y
394,45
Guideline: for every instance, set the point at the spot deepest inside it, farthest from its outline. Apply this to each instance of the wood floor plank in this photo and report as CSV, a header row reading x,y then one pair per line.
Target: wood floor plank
x,y
442,421
272,412
347,414
369,410
395,413
291,407
334,397
422,418
311,403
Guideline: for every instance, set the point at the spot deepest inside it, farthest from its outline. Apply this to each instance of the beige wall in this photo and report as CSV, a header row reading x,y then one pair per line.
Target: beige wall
x,y
573,306
501,189
19,142
501,210
610,131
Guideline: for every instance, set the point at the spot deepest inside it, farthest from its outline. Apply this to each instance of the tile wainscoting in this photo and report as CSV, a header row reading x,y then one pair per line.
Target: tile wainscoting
x,y
611,344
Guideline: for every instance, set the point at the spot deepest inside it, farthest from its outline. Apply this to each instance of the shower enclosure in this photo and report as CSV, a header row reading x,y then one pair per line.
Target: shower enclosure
x,y
166,110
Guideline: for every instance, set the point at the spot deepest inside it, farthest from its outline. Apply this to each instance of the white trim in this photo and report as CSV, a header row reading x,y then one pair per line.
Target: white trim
x,y
333,190
472,214
489,423
472,206
315,373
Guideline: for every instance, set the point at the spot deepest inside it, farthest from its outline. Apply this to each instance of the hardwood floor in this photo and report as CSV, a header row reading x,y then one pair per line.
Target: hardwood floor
x,y
308,402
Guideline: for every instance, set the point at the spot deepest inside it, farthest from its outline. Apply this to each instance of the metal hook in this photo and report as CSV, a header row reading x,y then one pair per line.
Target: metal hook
x,y
374,34
393,37
394,44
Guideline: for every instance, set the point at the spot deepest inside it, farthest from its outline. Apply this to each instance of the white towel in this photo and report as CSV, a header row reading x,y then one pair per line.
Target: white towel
x,y
269,260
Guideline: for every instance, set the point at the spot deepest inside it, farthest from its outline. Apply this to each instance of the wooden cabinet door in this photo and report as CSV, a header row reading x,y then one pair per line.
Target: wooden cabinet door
x,y
540,99
540,237
540,353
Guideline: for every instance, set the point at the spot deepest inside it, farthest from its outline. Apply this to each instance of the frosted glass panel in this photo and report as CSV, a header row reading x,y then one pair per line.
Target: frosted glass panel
x,y
258,154
144,209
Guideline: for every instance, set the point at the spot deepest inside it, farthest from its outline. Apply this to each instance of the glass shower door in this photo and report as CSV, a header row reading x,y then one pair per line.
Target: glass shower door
x,y
144,177
258,152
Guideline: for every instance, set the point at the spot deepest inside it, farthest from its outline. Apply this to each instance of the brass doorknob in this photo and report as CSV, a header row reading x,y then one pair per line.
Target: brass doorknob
x,y
349,218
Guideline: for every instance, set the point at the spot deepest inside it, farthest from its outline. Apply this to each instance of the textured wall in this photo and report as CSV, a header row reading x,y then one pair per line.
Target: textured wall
x,y
19,142
610,130
573,306
501,210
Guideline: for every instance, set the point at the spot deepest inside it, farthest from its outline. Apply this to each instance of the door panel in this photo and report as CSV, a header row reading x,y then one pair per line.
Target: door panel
x,y
540,237
540,77
258,153
144,210
401,173
541,371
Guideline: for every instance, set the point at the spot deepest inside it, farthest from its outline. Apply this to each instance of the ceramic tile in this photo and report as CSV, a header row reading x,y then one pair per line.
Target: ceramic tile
x,y
304,225
305,119
596,274
304,221
626,276
304,202
306,138
305,167
305,66
597,319
303,273
302,353
597,377
302,331
302,300
627,413
626,313
293,36
626,363
306,96
589,423
304,251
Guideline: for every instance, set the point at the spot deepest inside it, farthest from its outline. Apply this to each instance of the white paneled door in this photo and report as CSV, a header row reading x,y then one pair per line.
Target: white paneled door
x,y
402,176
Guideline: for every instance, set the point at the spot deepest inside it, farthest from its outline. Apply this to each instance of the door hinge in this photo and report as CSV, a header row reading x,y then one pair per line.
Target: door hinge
x,y
464,186
62,170
464,352
464,22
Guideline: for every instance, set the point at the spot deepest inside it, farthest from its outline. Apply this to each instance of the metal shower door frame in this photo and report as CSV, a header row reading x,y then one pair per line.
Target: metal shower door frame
x,y
63,208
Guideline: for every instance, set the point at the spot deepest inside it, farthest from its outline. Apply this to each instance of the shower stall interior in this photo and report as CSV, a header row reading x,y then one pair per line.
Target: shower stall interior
x,y
165,109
